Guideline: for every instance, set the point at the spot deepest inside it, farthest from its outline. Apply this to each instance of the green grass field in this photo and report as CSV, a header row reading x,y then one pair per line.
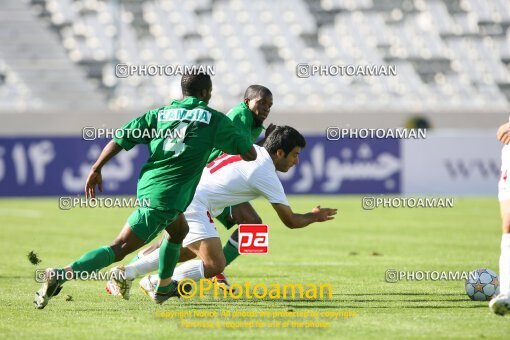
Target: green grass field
x,y
352,253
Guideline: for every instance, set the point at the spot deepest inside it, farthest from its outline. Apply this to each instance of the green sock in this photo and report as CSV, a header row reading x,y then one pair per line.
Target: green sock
x,y
94,260
168,256
61,276
165,289
231,252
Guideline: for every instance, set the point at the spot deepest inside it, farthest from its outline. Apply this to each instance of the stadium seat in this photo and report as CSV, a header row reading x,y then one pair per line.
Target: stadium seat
x,y
443,49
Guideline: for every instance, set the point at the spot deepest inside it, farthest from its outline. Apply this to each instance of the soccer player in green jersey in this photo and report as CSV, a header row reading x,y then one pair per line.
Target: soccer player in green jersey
x,y
248,116
168,180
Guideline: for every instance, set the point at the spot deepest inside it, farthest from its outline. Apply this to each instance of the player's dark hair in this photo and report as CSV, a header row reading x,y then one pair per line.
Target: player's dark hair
x,y
194,84
256,91
285,138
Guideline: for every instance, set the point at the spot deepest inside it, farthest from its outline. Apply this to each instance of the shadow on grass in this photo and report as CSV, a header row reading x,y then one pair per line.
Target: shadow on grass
x,y
279,276
398,294
361,306
335,304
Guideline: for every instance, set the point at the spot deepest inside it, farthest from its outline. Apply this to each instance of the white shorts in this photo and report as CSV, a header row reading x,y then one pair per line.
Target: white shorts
x,y
201,226
504,179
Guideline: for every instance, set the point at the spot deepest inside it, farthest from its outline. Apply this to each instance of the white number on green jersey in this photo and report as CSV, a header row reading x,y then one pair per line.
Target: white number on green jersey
x,y
176,144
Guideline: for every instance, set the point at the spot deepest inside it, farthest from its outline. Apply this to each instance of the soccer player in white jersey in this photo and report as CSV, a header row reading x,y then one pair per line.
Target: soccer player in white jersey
x,y
501,303
228,181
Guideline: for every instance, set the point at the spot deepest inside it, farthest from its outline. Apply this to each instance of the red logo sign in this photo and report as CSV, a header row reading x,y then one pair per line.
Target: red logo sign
x,y
253,239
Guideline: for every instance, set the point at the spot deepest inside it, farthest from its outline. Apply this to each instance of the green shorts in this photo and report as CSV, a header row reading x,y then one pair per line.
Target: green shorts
x,y
147,223
225,218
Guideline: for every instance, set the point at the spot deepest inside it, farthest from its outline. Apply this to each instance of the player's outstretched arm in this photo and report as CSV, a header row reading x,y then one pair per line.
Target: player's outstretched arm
x,y
294,221
109,151
503,133
249,155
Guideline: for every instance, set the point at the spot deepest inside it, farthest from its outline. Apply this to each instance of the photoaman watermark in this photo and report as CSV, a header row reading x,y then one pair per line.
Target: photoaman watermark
x,y
189,288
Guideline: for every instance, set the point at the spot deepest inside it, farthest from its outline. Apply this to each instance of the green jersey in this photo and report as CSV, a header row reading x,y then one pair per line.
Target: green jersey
x,y
180,138
242,117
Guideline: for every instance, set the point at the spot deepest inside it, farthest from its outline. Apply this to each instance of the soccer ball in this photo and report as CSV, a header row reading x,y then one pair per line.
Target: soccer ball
x,y
482,285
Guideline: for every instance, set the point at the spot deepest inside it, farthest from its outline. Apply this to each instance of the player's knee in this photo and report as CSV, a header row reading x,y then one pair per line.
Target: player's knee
x,y
215,266
178,234
183,231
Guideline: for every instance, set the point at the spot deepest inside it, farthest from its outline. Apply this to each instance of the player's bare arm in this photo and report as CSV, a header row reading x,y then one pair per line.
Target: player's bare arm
x,y
294,221
94,178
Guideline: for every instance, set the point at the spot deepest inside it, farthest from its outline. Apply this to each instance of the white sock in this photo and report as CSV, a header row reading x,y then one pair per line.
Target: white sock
x,y
504,265
193,269
146,264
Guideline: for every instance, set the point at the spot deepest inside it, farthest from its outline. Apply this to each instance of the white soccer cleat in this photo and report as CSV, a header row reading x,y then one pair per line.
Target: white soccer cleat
x,y
118,284
149,284
111,288
49,289
500,305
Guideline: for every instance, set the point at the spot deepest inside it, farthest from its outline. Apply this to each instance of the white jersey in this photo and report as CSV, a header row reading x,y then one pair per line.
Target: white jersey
x,y
504,181
229,180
